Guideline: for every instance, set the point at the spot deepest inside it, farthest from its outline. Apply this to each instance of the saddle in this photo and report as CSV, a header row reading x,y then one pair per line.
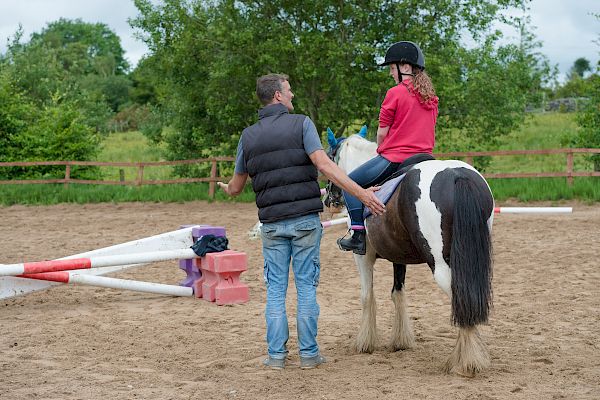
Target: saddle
x,y
407,164
389,185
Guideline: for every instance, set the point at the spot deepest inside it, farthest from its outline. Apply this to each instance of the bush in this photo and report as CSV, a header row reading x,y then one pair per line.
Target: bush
x,y
59,133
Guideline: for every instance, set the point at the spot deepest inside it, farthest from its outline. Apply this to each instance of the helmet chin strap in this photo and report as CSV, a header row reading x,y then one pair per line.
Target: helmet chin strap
x,y
401,74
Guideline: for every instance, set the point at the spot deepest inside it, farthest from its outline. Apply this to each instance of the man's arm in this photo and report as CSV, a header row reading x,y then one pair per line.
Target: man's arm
x,y
235,185
337,176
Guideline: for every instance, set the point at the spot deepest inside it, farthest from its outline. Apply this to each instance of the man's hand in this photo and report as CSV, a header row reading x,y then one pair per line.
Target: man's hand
x,y
368,198
223,186
235,185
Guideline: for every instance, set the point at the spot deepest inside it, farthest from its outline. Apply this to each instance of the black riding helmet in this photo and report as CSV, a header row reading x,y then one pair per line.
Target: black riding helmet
x,y
404,53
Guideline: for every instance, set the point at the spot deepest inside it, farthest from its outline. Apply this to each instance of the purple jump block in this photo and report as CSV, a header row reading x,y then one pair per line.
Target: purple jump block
x,y
191,271
202,230
187,226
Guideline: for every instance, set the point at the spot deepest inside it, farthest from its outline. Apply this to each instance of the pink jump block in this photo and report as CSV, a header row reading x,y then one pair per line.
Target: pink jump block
x,y
220,281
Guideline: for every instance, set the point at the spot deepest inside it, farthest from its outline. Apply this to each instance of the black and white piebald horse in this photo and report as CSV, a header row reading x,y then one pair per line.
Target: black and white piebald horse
x,y
440,214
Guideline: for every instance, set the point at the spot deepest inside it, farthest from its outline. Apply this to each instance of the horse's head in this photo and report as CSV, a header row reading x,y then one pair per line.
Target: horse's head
x,y
333,195
348,153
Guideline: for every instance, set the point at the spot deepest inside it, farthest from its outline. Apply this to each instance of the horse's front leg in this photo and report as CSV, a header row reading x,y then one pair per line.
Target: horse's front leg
x,y
367,334
402,334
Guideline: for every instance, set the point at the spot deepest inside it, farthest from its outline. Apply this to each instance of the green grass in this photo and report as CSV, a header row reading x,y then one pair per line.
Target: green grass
x,y
546,189
540,132
131,147
53,194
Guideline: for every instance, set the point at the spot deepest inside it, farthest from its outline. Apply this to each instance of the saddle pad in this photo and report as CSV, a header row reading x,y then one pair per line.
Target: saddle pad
x,y
385,192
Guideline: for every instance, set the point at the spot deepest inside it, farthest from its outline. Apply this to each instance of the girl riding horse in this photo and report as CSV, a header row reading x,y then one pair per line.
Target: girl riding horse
x,y
406,127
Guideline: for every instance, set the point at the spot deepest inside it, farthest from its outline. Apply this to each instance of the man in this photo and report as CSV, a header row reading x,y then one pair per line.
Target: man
x,y
281,153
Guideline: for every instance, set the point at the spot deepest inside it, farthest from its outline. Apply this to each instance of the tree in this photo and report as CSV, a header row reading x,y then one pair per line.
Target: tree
x,y
206,56
16,114
47,114
580,67
73,58
589,118
589,122
84,47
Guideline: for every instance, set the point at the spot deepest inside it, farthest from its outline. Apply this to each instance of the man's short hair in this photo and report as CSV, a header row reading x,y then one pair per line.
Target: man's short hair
x,y
267,85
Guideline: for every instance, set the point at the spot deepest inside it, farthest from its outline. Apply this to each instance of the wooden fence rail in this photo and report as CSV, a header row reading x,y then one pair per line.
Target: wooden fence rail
x,y
468,156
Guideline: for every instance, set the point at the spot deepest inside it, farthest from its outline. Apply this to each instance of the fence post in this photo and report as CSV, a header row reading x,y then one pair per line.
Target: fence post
x,y
469,160
121,175
570,168
140,176
212,183
67,174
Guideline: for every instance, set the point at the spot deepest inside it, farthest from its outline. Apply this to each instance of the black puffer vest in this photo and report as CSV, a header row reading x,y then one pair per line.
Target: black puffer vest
x,y
283,177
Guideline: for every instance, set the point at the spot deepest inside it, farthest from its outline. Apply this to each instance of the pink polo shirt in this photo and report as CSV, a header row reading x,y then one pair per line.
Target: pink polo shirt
x,y
412,124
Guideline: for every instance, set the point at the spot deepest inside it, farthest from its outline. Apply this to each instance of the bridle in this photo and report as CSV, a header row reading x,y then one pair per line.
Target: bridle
x,y
334,196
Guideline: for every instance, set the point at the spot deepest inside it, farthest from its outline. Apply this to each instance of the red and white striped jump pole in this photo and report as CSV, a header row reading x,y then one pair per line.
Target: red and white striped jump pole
x,y
113,283
95,262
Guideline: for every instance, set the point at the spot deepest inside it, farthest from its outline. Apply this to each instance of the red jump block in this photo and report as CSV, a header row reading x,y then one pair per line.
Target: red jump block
x,y
221,277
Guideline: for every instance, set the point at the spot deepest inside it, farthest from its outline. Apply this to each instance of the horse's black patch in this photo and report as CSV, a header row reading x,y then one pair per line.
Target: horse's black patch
x,y
399,276
442,195
463,198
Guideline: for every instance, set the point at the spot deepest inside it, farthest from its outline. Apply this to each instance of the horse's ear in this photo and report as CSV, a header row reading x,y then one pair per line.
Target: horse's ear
x,y
363,131
331,138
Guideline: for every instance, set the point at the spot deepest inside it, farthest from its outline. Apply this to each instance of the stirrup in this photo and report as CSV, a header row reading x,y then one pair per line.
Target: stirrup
x,y
357,243
342,238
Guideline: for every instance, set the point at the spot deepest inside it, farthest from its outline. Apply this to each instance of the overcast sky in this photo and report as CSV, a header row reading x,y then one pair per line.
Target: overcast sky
x,y
565,27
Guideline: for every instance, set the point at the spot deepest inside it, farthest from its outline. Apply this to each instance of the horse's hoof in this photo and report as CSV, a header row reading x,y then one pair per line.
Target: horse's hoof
x,y
365,348
466,371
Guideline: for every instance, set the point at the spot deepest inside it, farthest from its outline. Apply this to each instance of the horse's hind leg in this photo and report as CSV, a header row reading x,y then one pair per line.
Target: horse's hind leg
x,y
402,334
367,333
470,354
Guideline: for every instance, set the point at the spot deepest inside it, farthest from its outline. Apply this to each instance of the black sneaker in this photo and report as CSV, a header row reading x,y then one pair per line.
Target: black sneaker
x,y
311,362
274,363
356,243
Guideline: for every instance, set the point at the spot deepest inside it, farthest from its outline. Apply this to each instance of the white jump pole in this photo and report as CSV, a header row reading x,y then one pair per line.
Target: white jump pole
x,y
497,210
331,222
95,262
533,210
113,283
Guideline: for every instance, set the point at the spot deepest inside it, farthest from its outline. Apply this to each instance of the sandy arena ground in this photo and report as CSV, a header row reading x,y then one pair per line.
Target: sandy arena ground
x,y
92,343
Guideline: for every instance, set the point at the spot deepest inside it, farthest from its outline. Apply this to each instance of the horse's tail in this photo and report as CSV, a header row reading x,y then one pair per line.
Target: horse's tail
x,y
471,254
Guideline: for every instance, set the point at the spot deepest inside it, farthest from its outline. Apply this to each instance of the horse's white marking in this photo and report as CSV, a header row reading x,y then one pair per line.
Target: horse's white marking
x,y
367,334
430,221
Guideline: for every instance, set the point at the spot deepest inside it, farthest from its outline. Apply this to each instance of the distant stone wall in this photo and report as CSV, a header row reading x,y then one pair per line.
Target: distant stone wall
x,y
566,104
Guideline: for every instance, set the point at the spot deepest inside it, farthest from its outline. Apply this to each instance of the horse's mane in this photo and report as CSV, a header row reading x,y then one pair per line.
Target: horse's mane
x,y
360,143
354,151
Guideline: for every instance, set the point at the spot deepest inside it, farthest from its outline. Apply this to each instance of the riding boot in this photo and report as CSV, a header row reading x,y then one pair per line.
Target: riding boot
x,y
356,243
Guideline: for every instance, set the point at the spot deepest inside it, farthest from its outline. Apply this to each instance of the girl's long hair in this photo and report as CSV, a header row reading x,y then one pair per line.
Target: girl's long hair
x,y
423,85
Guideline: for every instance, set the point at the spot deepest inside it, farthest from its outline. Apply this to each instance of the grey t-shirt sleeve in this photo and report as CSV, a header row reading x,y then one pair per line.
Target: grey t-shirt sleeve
x,y
310,137
240,164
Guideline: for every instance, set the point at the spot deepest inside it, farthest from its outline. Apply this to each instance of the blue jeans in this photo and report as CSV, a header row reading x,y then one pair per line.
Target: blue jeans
x,y
299,240
370,173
